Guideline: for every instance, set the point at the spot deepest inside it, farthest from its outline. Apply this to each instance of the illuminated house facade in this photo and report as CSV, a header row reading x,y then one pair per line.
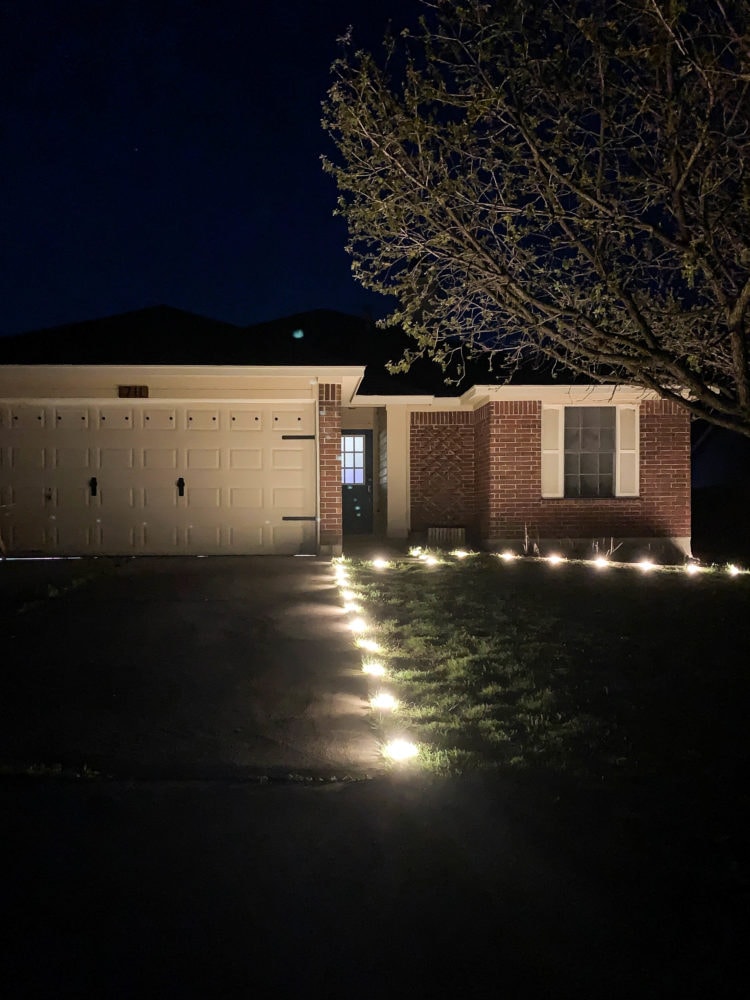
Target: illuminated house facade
x,y
119,451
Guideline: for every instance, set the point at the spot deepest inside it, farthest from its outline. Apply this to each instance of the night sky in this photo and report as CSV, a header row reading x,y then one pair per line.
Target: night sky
x,y
167,151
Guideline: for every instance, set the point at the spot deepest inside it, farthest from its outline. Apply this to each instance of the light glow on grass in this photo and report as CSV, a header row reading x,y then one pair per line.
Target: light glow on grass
x,y
352,606
692,569
384,702
380,563
646,565
400,750
430,560
507,556
460,553
733,570
373,668
369,645
349,595
415,552
555,559
601,562
358,625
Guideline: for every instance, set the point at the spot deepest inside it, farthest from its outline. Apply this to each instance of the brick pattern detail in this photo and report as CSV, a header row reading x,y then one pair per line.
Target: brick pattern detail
x,y
442,470
499,446
329,406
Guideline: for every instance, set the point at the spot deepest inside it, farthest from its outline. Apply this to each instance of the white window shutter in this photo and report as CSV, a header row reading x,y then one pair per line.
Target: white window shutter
x,y
627,452
553,425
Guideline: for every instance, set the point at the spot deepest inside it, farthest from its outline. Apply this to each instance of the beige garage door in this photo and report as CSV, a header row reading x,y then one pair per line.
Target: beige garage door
x,y
156,478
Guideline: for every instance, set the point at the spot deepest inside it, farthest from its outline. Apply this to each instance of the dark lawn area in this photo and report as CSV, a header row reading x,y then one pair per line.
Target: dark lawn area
x,y
632,687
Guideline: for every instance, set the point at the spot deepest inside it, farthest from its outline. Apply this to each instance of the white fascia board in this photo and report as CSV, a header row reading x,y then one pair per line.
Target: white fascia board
x,y
570,395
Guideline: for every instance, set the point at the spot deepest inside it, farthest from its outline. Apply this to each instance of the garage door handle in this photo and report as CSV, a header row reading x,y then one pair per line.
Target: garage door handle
x,y
180,487
93,485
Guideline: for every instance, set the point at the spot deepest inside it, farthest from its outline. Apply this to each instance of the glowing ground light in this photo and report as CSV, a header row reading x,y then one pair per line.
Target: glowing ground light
x,y
400,750
430,561
692,568
554,559
349,595
373,668
646,565
352,606
601,563
507,555
733,570
358,625
380,564
460,553
384,701
415,552
369,645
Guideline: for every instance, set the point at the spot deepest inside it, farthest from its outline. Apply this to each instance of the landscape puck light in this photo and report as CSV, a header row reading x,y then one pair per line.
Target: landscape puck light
x,y
646,565
349,595
460,553
384,701
692,568
554,559
373,668
601,562
400,750
507,556
430,560
358,625
369,645
733,570
380,563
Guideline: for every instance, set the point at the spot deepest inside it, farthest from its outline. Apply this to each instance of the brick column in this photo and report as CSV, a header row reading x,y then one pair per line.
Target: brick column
x,y
329,423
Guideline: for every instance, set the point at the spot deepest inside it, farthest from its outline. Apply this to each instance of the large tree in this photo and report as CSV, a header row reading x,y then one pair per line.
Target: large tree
x,y
568,181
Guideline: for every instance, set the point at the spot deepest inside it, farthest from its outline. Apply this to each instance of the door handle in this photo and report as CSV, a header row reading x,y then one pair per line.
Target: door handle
x,y
180,487
93,486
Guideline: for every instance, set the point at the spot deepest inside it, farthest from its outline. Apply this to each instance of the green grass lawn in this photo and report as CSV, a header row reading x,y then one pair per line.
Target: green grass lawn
x,y
630,685
596,672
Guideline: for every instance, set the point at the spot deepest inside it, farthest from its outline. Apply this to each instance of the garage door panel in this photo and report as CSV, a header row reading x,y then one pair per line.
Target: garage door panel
x,y
203,420
71,418
116,458
247,498
71,458
298,421
118,538
289,500
204,538
203,497
27,458
245,420
115,418
29,536
203,458
160,537
288,458
294,537
28,418
160,458
117,498
246,458
159,497
246,539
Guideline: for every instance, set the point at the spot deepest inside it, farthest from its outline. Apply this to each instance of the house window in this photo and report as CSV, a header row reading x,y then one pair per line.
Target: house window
x,y
589,446
353,459
590,451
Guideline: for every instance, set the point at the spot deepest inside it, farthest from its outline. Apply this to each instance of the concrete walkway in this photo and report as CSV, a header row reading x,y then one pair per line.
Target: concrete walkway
x,y
183,667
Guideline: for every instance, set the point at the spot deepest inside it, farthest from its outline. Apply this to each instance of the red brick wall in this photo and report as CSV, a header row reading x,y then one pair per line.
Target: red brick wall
x,y
329,406
442,470
506,494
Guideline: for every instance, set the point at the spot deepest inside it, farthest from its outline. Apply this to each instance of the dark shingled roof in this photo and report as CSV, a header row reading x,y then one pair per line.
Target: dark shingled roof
x,y
162,335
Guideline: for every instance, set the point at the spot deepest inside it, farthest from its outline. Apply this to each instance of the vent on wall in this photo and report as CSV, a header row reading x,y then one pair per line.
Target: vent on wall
x,y
446,536
132,391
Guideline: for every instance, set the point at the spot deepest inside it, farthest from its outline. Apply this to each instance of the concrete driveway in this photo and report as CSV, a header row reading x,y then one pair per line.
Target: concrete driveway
x,y
181,668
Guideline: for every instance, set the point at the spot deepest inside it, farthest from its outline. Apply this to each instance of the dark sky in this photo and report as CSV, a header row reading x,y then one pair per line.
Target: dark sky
x,y
167,151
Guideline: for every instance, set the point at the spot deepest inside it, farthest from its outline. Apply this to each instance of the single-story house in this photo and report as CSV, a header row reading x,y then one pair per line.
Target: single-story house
x,y
159,432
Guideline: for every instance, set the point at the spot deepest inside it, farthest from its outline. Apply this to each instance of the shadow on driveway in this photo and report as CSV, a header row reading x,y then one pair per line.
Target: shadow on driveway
x,y
184,668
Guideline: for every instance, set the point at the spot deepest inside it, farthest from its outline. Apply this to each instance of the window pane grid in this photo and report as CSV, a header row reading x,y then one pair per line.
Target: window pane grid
x,y
589,458
353,459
